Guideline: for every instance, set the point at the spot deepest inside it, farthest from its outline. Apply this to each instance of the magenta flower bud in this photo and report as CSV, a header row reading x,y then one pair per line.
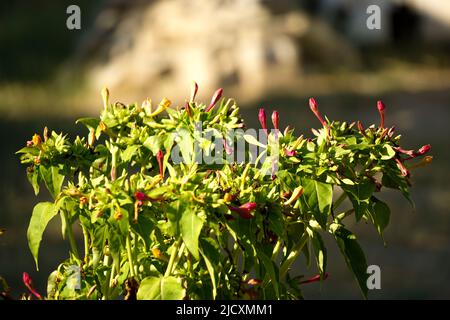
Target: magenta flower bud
x,y
275,119
381,107
159,158
194,90
262,119
315,109
426,148
228,149
214,99
28,282
140,196
403,151
289,153
315,278
244,210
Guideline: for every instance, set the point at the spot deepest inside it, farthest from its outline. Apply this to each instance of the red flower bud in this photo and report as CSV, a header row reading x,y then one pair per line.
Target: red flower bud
x,y
28,282
289,153
381,107
214,99
315,109
187,108
275,119
315,278
140,196
262,119
424,149
244,210
159,158
194,89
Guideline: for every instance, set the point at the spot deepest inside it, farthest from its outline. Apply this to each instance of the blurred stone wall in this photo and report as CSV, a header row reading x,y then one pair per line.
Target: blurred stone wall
x,y
140,48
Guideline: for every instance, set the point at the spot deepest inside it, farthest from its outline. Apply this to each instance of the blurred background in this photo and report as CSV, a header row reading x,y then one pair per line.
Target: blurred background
x,y
265,53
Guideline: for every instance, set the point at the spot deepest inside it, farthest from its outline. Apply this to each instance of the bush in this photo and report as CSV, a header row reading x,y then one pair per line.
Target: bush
x,y
162,221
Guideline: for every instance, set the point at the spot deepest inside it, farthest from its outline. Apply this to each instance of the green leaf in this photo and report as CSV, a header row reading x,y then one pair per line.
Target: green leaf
x,y
90,123
270,269
380,215
387,152
353,255
320,251
129,152
33,178
190,227
252,140
360,195
162,288
42,213
212,274
53,179
319,198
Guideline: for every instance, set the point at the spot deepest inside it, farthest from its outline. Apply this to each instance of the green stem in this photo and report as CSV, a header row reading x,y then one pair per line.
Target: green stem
x,y
276,249
86,244
107,276
72,242
293,255
130,256
173,256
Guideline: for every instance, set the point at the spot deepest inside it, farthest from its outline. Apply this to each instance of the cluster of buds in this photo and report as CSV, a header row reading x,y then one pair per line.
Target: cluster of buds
x,y
263,119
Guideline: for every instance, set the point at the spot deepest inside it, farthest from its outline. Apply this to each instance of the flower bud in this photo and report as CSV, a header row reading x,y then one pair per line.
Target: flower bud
x,y
361,129
262,119
45,134
381,107
315,278
138,195
28,282
214,99
147,106
163,105
275,119
426,148
91,137
159,158
315,109
194,89
105,97
295,195
289,153
36,139
244,210
402,168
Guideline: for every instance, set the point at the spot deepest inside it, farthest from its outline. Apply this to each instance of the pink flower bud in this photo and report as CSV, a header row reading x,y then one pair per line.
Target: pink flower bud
x,y
262,119
315,278
194,89
402,168
214,99
140,196
275,119
426,148
228,149
315,109
289,153
244,210
28,282
159,158
381,107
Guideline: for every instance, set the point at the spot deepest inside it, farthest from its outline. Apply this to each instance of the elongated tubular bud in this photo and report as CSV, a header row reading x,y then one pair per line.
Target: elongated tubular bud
x,y
244,210
263,119
381,107
402,168
315,278
361,129
216,96
295,195
147,106
403,151
424,162
425,149
289,153
275,119
28,282
194,90
105,97
228,149
159,158
163,105
315,109
187,108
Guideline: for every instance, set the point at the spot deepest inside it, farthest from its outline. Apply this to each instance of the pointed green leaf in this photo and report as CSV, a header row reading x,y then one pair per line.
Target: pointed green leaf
x,y
42,213
190,226
162,288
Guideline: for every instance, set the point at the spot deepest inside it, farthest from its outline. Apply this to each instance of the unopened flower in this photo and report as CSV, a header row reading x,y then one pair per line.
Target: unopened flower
x,y
28,282
228,149
36,139
45,134
402,168
139,195
289,153
216,96
381,107
275,119
30,143
159,158
361,129
147,106
105,97
315,109
315,278
426,148
262,119
163,105
187,108
295,195
244,210
194,89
